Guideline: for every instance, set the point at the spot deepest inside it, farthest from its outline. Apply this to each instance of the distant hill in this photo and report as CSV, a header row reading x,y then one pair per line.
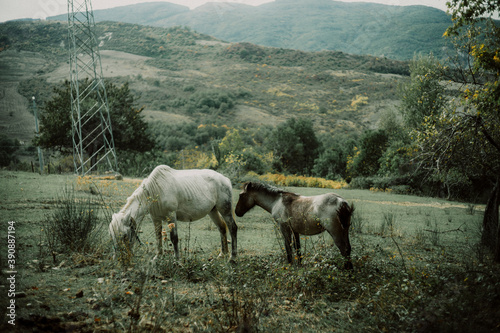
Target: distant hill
x,y
395,32
145,13
173,71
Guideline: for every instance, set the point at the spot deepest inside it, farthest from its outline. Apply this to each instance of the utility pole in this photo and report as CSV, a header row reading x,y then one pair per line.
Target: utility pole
x,y
37,133
92,133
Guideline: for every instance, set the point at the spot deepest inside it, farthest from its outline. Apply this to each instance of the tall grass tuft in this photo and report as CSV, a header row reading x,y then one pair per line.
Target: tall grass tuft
x,y
74,225
357,221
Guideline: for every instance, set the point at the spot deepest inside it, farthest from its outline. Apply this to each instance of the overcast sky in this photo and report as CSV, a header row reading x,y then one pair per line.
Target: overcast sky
x,y
15,9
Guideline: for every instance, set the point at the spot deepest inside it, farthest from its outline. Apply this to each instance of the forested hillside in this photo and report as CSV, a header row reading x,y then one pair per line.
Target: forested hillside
x,y
195,89
396,32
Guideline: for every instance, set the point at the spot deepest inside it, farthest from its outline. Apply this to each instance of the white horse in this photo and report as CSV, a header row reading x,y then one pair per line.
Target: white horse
x,y
176,195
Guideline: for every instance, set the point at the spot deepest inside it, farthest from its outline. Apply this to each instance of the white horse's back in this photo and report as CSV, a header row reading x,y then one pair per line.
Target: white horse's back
x,y
190,193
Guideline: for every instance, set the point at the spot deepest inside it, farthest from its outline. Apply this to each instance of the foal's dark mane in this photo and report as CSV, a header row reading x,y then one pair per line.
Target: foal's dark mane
x,y
344,213
261,187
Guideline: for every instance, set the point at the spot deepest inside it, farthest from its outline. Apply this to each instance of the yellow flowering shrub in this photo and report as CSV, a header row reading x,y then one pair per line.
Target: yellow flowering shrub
x,y
301,181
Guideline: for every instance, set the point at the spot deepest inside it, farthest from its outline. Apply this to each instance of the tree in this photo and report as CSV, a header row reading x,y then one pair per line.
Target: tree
x,y
332,158
424,95
130,131
466,136
7,149
295,145
365,159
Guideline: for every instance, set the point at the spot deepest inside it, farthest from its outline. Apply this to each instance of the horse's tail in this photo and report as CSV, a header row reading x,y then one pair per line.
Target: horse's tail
x,y
344,212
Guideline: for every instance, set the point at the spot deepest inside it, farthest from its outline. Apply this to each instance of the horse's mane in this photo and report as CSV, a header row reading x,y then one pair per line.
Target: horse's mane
x,y
262,187
344,212
150,187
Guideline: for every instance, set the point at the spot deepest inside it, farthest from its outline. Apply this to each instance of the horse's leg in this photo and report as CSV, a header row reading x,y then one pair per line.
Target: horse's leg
x,y
157,225
221,225
286,231
227,215
174,237
296,244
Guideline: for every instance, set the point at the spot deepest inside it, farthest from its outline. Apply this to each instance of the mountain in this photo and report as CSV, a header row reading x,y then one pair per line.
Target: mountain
x,y
145,13
178,74
395,32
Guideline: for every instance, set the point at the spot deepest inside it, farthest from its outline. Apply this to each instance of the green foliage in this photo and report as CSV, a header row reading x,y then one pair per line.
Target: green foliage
x,y
172,137
74,225
394,32
130,131
331,162
423,96
55,121
141,164
295,146
8,148
317,60
49,37
209,101
365,160
463,141
396,160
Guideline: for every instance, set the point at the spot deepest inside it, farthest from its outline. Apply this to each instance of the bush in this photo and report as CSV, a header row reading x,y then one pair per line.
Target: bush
x,y
74,225
7,149
207,101
396,183
301,181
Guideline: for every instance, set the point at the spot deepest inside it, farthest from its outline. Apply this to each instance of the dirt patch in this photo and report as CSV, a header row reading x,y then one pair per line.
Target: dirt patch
x,y
211,43
344,73
165,117
15,120
114,64
253,116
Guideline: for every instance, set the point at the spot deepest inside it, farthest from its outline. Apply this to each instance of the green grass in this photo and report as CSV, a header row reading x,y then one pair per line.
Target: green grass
x,y
406,278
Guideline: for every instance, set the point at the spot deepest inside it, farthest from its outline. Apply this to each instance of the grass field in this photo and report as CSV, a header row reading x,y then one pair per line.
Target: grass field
x,y
417,267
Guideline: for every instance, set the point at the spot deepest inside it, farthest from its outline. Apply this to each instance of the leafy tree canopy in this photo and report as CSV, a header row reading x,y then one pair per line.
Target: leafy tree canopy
x,y
130,131
295,145
464,139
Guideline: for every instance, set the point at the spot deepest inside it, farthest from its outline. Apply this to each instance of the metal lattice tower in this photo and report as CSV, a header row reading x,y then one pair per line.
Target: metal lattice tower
x,y
92,134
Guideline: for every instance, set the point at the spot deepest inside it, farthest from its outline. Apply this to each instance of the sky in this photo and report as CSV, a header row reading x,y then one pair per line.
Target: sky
x,y
40,9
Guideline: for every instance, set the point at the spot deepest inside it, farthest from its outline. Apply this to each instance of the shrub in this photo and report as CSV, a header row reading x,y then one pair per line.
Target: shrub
x,y
7,149
206,101
301,181
74,225
399,184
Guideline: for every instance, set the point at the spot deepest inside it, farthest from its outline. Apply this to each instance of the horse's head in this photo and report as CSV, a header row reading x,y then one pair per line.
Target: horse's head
x,y
245,202
123,231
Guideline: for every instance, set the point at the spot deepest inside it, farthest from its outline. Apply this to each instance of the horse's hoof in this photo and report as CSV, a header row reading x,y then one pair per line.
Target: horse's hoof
x,y
348,265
